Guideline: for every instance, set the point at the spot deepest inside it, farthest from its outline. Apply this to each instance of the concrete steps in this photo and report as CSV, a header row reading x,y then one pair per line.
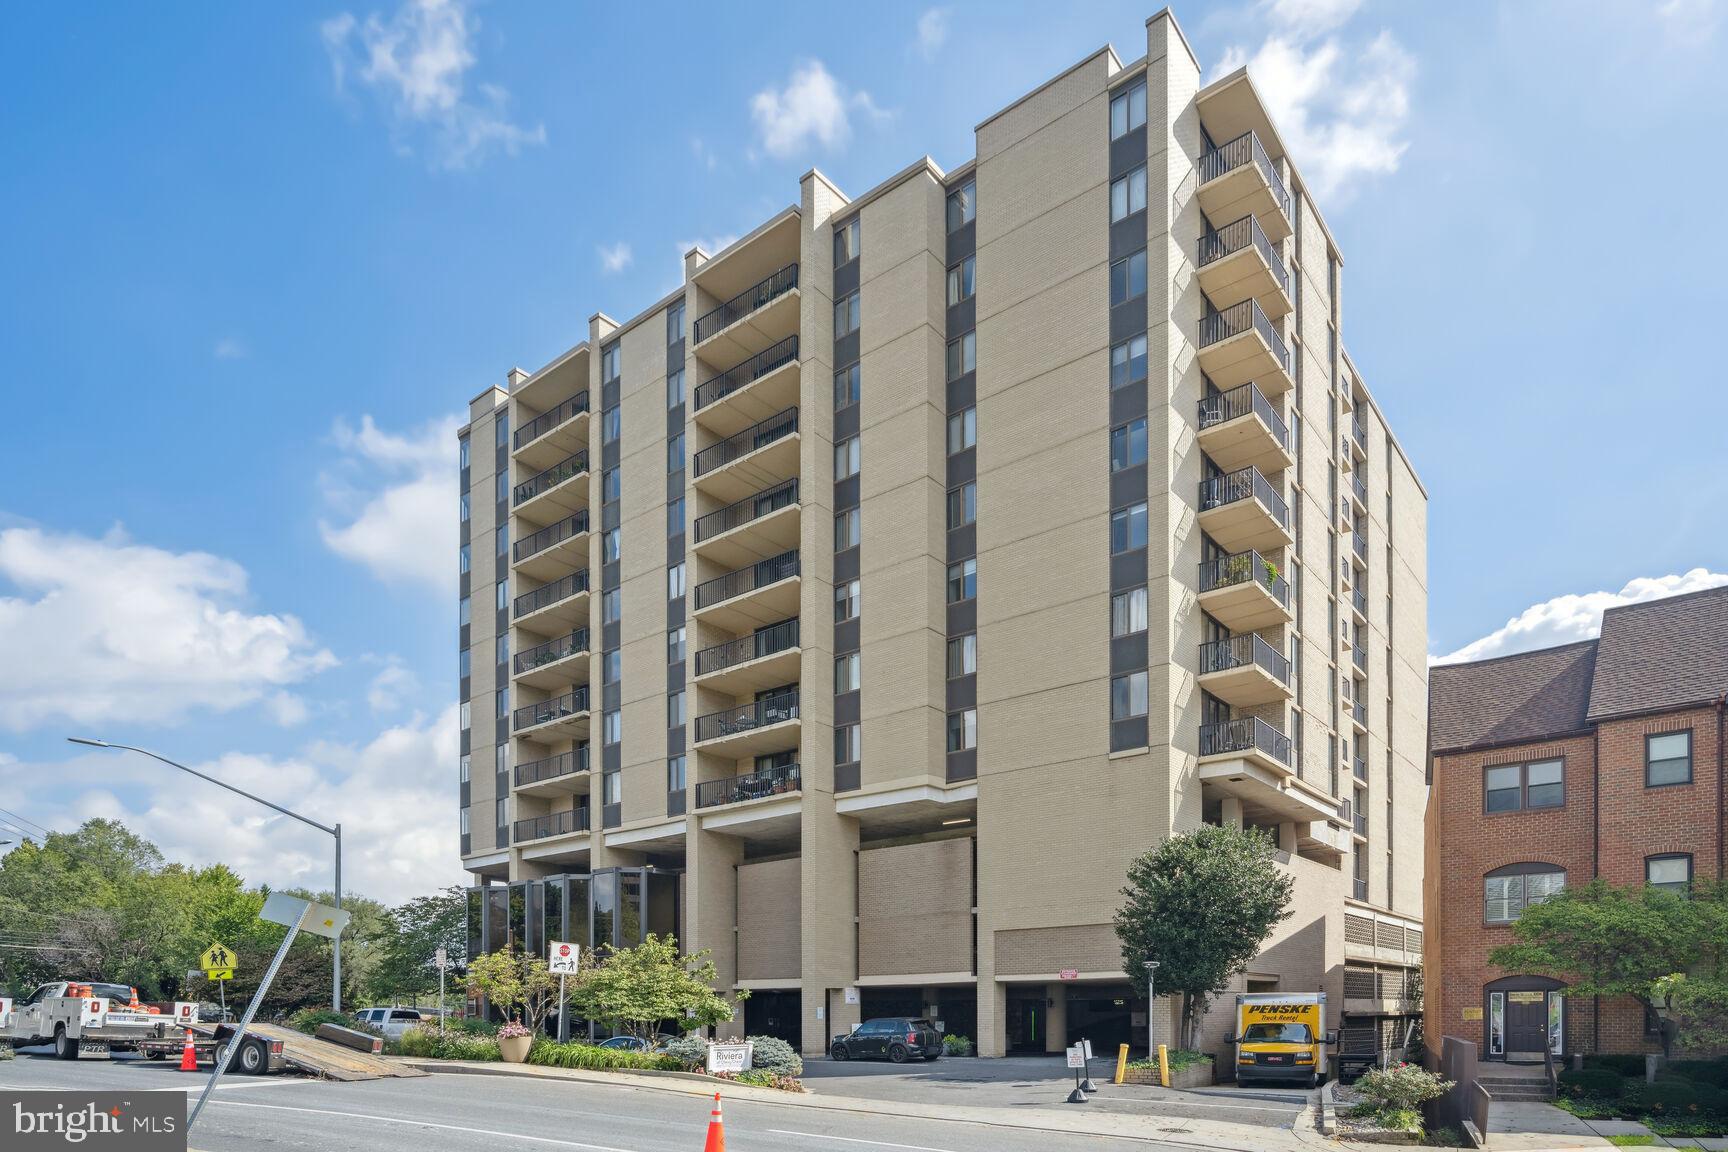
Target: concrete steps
x,y
1520,1088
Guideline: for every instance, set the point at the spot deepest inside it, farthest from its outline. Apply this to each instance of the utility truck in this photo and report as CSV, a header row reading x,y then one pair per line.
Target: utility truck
x,y
81,1016
1282,1036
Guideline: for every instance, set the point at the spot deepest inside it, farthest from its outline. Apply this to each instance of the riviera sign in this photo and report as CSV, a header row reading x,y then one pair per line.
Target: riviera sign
x,y
144,1122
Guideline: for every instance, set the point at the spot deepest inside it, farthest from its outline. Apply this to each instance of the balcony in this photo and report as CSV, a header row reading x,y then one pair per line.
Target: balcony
x,y
1359,769
1245,671
1359,889
1359,602
554,434
742,601
553,550
1359,715
1237,263
767,725
1244,592
1359,491
760,525
1359,657
563,774
1239,344
562,487
1346,458
1358,550
1237,179
1249,759
565,715
1243,512
752,663
554,663
1242,429
753,321
750,461
764,384
1359,825
757,785
551,608
1358,439
565,823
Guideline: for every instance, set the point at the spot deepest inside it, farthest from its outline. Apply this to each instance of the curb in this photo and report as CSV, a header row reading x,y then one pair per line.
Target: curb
x,y
1327,1116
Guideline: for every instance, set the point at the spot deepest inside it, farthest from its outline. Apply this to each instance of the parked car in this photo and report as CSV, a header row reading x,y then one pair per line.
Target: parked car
x,y
392,1022
896,1038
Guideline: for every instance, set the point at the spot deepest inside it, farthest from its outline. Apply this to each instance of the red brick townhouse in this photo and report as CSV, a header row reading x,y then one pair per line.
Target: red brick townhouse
x,y
1601,758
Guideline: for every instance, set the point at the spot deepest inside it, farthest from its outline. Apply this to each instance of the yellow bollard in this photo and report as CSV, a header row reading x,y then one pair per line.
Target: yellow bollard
x,y
1121,1063
1163,1066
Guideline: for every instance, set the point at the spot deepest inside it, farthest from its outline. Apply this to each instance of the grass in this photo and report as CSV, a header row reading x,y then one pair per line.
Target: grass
x,y
1632,1140
1179,1058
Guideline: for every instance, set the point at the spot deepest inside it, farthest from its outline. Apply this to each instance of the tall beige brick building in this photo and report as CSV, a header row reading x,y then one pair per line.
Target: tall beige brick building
x,y
861,609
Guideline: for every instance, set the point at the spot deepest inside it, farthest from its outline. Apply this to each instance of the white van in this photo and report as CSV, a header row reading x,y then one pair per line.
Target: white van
x,y
392,1022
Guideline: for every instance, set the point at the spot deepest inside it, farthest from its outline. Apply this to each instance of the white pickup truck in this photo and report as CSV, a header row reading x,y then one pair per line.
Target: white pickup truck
x,y
74,1017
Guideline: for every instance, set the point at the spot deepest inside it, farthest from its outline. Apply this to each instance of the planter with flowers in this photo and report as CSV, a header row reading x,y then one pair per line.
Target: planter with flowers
x,y
514,1041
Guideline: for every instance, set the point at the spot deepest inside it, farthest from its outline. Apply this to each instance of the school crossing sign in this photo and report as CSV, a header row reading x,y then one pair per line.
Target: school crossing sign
x,y
218,962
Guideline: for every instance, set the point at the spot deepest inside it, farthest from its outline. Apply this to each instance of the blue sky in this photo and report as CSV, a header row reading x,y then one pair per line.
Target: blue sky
x,y
257,258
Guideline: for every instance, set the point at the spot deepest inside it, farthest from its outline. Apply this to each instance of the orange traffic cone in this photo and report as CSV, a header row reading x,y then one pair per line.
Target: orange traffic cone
x,y
716,1130
188,1055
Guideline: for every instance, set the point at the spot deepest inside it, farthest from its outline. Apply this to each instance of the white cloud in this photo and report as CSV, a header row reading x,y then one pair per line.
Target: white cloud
x,y
932,31
1341,110
416,62
287,709
230,348
615,258
391,688
811,108
1689,22
112,630
396,498
1565,619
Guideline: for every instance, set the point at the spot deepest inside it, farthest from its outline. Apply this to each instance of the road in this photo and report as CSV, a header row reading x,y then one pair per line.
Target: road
x,y
448,1113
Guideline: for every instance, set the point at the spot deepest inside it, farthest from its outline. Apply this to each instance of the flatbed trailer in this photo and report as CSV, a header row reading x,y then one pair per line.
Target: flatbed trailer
x,y
258,1056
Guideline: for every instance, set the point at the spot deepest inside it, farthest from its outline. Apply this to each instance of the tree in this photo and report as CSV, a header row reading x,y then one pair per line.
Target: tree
x,y
517,983
1201,904
631,990
408,941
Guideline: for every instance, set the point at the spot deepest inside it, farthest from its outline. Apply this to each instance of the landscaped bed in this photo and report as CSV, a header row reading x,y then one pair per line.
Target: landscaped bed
x,y
776,1064
1689,1097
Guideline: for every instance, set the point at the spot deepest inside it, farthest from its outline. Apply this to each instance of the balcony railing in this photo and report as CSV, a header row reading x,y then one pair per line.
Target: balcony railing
x,y
758,435
1359,712
1233,238
1359,598
746,302
548,594
776,709
570,466
553,824
572,703
1242,568
1242,484
547,421
1240,401
765,642
758,575
1239,318
1249,734
1360,487
1359,434
750,786
1359,655
1359,769
1245,149
1242,651
550,535
1360,889
1359,545
552,767
1360,823
754,368
750,508
551,652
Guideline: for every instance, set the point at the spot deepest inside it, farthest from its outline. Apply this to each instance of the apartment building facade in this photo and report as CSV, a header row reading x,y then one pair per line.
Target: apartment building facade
x,y
1549,768
862,608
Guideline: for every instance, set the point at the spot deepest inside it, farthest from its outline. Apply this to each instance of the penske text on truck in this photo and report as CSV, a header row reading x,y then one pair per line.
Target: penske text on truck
x,y
1281,1036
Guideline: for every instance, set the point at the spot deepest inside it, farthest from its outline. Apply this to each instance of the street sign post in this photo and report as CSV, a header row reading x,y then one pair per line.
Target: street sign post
x,y
563,958
442,959
218,962
1077,1061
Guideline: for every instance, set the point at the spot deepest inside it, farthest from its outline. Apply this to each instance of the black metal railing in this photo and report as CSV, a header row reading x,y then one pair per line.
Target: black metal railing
x,y
1359,545
1359,655
549,420
552,824
550,535
552,767
1359,712
1358,433
1359,598
1360,487
1249,734
750,508
758,575
775,709
552,651
752,369
1233,238
1359,769
1245,149
1243,484
1244,317
1242,568
1360,823
758,435
1240,401
572,703
548,594
750,786
571,466
1241,652
768,641
746,302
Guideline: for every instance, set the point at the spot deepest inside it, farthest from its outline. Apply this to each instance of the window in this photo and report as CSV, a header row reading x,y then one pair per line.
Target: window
x,y
611,362
1128,612
846,530
1511,787
846,242
1128,362
501,759
962,206
462,452
503,594
502,649
846,315
612,727
1128,194
962,355
611,545
501,703
500,540
611,486
963,730
846,598
846,673
462,508
1128,445
1127,529
464,610
462,559
676,776
675,641
846,382
1127,110
501,811
1507,891
963,655
611,606
962,280
846,460
462,824
675,581
1128,696
675,453
612,788
675,516
1128,278
1668,759
464,663
962,430
611,665
675,709
962,581
675,388
848,744
1672,873
502,430
963,505
675,323
463,767
503,487
611,424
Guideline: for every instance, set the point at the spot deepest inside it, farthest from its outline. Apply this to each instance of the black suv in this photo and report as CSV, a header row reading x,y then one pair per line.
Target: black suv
x,y
896,1038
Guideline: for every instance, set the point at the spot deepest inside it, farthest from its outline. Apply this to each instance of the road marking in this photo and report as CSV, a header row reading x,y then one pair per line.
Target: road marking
x,y
429,1124
850,1140
198,1087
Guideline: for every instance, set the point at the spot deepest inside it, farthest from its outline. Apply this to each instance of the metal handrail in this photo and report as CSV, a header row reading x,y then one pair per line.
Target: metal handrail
x,y
767,641
1240,401
1359,433
746,302
571,585
1241,568
548,536
1359,656
1359,712
572,465
1248,734
1239,318
1360,487
1242,651
549,420
572,703
754,507
551,824
737,583
552,651
1359,544
750,786
550,768
1359,888
1236,236
752,369
1361,824
1359,769
1242,484
1359,598
775,709
1245,149
758,435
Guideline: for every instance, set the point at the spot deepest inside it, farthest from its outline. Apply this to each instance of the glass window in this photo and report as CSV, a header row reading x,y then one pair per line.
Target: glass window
x,y
1668,759
611,606
611,362
675,517
503,487
962,430
1127,528
612,727
463,767
675,709
962,205
846,315
1128,445
846,242
464,663
1669,873
848,744
502,648
846,673
1128,696
462,824
501,702
500,540
611,665
611,485
963,655
501,811
1503,789
846,459
464,610
611,544
612,787
501,759
846,382
675,581
1544,784
462,559
1127,110
1128,612
502,430
611,424
462,452
462,508
962,355
846,530
676,775
675,453
675,388
675,641
962,581
1128,278
846,599
675,323
963,505
963,730
466,714
1128,194
1507,892
503,594
963,280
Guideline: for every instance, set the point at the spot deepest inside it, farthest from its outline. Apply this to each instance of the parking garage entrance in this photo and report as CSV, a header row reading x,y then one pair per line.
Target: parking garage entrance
x,y
772,1012
1106,1014
953,1009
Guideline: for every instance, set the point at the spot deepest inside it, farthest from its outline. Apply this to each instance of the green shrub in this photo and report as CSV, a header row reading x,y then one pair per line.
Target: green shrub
x,y
1601,1082
1589,1107
593,1058
772,1054
471,1025
1664,1098
1629,1066
958,1046
690,1051
762,1078
1179,1058
1393,1096
307,1020
427,1044
1686,1126
1443,1138
1712,1072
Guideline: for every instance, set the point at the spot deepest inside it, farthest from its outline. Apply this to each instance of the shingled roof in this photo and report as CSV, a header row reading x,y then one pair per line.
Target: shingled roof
x,y
1510,699
1661,655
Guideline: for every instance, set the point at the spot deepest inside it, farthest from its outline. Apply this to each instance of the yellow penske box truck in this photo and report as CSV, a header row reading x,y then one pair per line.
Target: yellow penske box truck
x,y
1282,1036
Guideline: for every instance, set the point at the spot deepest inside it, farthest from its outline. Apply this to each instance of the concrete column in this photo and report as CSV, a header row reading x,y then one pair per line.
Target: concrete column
x,y
992,1017
711,898
1055,1017
1232,812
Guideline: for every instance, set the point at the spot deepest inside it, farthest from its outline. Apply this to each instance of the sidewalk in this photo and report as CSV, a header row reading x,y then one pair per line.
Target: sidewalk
x,y
1534,1127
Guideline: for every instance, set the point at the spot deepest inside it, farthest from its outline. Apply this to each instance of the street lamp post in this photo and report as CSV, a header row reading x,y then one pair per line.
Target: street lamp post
x,y
336,832
1151,1009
